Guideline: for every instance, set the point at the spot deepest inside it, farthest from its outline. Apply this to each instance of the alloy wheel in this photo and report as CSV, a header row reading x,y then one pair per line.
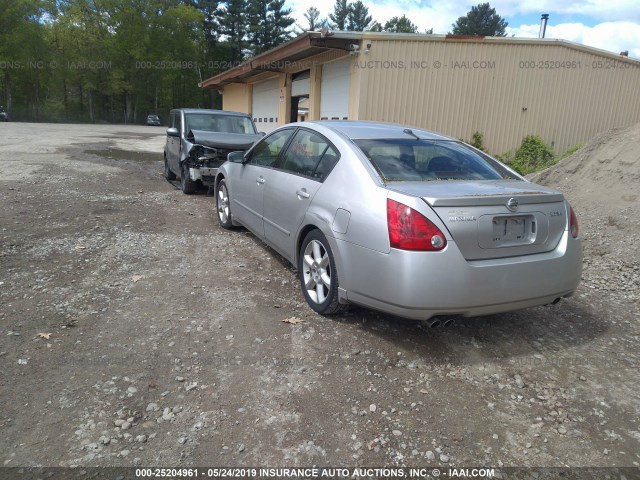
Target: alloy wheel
x,y
316,271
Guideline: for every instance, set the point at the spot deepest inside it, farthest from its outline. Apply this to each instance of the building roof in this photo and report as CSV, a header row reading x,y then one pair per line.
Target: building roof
x,y
308,44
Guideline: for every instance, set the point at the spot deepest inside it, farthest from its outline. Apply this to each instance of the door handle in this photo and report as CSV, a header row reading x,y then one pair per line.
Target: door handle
x,y
302,193
260,180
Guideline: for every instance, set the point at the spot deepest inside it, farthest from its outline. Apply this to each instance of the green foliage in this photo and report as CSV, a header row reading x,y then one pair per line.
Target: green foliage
x,y
376,27
314,22
400,25
119,60
269,24
477,141
281,22
481,20
339,15
233,25
533,155
25,56
506,157
569,151
352,17
358,19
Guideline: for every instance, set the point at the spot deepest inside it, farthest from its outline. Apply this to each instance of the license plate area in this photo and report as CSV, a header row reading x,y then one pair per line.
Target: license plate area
x,y
513,230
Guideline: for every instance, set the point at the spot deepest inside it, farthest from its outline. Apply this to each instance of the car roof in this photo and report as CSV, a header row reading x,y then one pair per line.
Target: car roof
x,y
209,110
375,130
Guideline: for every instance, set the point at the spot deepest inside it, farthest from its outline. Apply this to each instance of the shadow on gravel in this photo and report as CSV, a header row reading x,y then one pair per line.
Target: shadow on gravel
x,y
547,331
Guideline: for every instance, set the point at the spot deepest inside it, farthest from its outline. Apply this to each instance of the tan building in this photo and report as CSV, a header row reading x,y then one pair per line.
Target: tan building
x,y
505,88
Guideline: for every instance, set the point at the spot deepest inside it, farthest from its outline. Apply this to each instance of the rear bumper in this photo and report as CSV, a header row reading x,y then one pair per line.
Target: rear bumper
x,y
420,285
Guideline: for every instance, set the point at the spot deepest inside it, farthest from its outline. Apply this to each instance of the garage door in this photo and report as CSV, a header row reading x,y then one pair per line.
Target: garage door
x,y
334,90
264,106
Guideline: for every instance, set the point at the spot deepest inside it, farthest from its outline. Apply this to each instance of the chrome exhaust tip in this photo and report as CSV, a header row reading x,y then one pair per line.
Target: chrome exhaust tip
x,y
448,322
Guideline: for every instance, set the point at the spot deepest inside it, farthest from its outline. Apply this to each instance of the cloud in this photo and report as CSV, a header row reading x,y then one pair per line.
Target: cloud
x,y
598,10
618,26
439,16
614,37
618,30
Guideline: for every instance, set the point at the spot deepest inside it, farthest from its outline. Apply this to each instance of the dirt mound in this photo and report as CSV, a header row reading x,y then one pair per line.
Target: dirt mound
x,y
602,183
604,174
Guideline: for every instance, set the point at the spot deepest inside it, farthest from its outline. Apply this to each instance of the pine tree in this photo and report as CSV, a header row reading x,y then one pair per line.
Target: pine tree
x,y
269,24
358,18
210,24
400,25
233,24
376,27
340,15
313,18
481,20
281,22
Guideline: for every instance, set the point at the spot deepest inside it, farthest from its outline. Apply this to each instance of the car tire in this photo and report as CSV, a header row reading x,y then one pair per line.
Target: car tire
x,y
168,174
318,274
187,185
223,205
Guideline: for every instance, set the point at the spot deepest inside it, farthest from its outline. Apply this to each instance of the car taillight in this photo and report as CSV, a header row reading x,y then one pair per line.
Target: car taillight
x,y
410,230
573,223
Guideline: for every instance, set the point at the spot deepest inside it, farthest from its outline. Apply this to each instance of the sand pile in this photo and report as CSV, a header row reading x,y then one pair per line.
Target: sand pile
x,y
602,183
604,175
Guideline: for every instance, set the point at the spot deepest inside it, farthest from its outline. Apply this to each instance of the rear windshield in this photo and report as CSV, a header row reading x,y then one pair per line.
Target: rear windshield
x,y
428,160
219,123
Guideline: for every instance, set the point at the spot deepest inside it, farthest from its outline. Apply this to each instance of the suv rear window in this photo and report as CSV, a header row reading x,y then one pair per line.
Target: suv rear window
x,y
429,160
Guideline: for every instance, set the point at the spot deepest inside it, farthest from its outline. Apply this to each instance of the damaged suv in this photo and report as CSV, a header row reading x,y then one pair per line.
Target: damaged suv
x,y
198,142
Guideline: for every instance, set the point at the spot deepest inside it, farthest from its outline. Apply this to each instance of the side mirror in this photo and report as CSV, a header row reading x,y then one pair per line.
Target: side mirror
x,y
173,132
236,157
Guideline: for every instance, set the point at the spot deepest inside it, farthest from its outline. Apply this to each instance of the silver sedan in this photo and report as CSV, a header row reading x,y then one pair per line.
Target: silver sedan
x,y
401,220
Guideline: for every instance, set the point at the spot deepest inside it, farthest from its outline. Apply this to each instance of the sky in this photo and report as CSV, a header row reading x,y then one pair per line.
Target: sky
x,y
611,25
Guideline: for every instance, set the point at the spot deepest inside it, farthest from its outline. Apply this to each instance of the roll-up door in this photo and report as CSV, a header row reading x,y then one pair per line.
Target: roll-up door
x,y
334,90
264,106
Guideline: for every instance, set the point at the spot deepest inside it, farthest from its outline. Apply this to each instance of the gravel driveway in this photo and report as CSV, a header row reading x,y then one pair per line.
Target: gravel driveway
x,y
135,331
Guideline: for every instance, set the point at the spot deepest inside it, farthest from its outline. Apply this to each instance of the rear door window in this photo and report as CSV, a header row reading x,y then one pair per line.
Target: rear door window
x,y
309,155
267,151
326,164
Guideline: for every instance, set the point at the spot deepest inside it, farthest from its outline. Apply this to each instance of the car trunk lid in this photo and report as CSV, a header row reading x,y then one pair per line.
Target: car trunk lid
x,y
494,219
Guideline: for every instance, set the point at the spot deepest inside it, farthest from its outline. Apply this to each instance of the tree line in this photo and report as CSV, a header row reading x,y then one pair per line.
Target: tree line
x,y
120,60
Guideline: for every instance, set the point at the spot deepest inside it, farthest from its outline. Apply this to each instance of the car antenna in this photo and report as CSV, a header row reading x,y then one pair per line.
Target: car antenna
x,y
408,131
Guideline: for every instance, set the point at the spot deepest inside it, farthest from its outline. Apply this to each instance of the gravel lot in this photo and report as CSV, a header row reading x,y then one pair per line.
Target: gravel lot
x,y
135,331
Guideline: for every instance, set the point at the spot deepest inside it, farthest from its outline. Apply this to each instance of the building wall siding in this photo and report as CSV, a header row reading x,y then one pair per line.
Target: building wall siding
x,y
237,97
506,91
